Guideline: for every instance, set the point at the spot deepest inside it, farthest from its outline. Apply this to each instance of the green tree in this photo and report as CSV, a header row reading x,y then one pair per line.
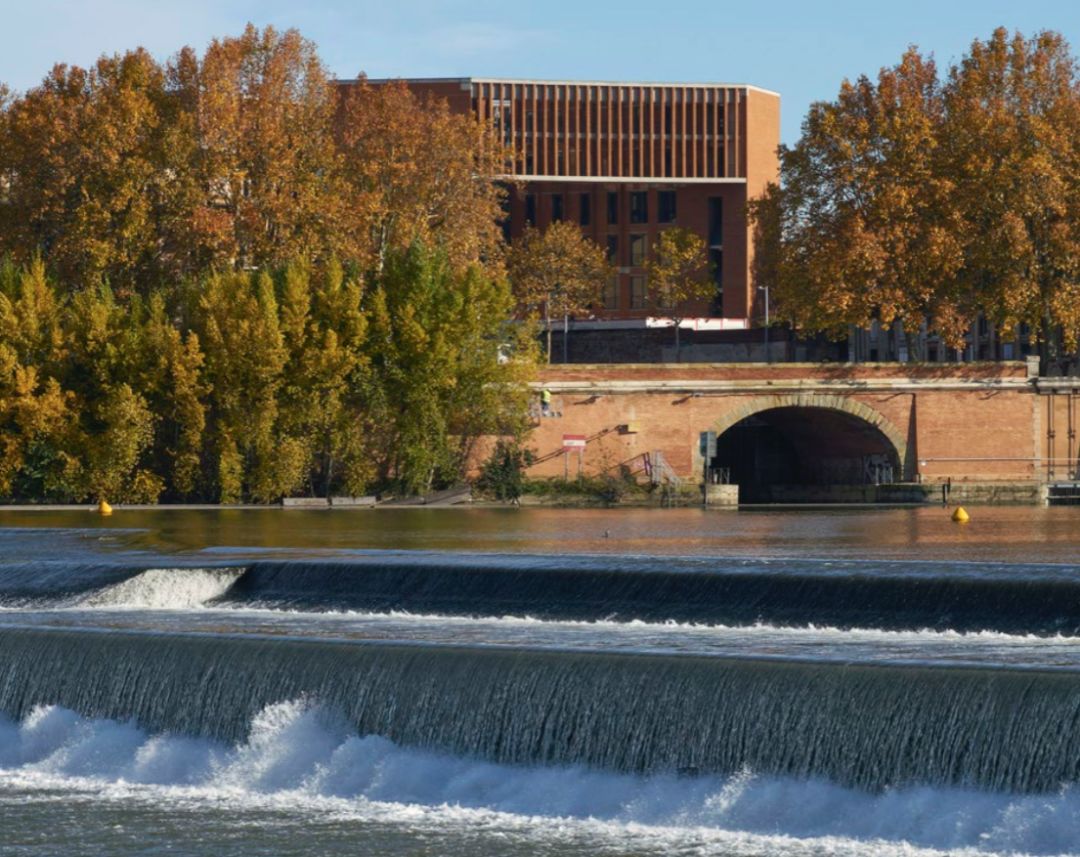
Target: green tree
x,y
324,330
441,375
166,369
237,324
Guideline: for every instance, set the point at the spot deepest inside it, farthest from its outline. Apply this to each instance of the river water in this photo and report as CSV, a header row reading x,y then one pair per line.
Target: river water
x,y
556,682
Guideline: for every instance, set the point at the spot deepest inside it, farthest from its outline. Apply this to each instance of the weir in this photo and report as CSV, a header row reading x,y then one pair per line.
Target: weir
x,y
1042,600
1030,601
863,726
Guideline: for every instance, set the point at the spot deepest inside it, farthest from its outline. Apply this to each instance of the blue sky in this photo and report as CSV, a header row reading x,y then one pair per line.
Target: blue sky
x,y
800,49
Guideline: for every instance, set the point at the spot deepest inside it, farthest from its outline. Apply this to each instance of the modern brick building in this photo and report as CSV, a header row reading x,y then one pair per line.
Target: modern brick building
x,y
627,160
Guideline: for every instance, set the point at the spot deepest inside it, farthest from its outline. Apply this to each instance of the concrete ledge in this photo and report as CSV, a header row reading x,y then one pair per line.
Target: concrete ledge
x,y
926,493
722,495
353,502
305,503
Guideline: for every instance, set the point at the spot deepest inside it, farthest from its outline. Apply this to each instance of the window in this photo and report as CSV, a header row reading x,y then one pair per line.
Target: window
x,y
585,209
611,292
637,250
665,206
612,207
530,209
716,268
716,221
613,249
556,207
639,206
637,293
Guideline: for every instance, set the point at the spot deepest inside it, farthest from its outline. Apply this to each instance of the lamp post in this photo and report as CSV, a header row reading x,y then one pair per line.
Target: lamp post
x,y
768,354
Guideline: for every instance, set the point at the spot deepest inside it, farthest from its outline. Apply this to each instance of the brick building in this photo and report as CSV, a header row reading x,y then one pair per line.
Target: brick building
x,y
627,160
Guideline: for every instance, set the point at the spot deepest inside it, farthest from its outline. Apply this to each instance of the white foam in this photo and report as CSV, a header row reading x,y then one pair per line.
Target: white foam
x,y
166,589
303,759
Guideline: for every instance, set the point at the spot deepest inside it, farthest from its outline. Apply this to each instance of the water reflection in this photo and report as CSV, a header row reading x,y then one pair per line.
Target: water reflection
x,y
1009,534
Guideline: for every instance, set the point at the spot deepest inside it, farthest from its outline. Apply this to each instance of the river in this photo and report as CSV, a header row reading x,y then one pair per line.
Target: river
x,y
554,682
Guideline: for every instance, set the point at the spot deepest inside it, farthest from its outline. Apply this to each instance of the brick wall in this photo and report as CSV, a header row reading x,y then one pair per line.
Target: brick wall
x,y
967,422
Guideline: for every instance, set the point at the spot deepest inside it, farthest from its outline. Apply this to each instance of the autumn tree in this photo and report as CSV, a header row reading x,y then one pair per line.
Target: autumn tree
x,y
417,172
860,228
1011,147
142,173
679,273
557,272
267,154
918,199
88,171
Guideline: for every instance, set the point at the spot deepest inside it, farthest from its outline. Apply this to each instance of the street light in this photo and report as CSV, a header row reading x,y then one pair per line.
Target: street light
x,y
768,355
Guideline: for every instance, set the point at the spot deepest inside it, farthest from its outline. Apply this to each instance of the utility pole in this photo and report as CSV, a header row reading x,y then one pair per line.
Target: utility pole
x,y
768,354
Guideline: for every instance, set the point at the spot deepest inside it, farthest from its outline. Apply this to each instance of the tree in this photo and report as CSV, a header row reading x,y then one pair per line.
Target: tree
x,y
143,174
418,173
860,228
678,273
266,151
322,401
238,325
36,414
558,272
88,171
1011,144
922,200
441,377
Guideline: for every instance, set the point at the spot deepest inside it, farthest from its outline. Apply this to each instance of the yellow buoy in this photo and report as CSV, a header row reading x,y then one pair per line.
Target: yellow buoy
x,y
960,515
104,508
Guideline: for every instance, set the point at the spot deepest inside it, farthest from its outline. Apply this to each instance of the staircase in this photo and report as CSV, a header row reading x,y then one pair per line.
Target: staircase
x,y
659,471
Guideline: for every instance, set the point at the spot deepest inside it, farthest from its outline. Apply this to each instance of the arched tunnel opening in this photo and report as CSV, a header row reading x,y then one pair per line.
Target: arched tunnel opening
x,y
804,454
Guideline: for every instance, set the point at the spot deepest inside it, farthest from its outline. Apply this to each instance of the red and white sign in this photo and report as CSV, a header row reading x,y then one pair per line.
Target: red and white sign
x,y
573,441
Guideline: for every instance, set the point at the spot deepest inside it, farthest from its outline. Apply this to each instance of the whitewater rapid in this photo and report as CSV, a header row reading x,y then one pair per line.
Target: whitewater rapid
x,y
304,757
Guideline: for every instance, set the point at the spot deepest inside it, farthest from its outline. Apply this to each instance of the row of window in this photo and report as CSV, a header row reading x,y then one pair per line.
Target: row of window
x,y
639,248
638,292
639,295
639,207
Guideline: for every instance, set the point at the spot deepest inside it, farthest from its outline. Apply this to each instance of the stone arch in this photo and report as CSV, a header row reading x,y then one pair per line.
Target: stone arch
x,y
758,404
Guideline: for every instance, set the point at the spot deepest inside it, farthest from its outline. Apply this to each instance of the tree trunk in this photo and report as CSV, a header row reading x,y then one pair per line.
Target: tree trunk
x,y
547,323
678,344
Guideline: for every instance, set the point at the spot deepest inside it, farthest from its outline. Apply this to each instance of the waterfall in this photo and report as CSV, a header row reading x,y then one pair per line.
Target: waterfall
x,y
1042,600
865,726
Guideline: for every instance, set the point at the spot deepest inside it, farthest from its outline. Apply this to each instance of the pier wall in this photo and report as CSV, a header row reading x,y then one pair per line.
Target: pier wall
x,y
959,423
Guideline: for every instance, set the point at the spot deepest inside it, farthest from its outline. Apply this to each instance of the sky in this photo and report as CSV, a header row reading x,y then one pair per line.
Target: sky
x,y
803,50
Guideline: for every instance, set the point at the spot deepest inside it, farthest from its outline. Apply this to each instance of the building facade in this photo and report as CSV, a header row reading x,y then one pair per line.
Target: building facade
x,y
626,161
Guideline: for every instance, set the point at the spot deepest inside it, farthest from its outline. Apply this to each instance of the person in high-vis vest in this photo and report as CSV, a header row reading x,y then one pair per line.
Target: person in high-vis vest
x,y
545,402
